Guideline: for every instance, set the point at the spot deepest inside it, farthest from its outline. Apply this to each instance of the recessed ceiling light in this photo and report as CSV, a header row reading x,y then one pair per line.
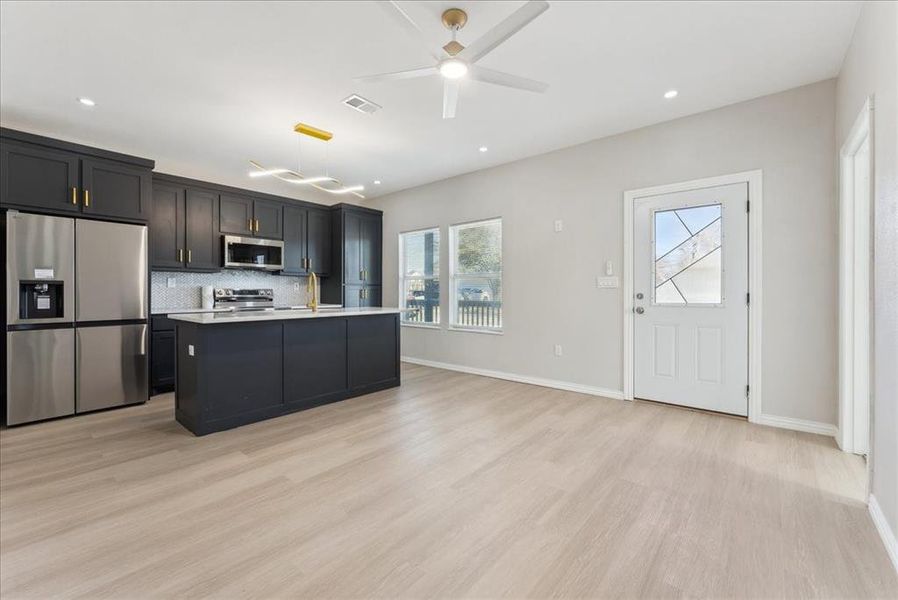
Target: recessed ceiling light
x,y
87,102
483,148
671,94
377,182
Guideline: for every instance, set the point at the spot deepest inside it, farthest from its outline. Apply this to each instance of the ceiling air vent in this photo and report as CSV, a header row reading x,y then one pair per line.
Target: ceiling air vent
x,y
361,104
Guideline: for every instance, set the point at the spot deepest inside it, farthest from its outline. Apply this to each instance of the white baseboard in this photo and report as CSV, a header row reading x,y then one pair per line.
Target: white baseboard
x,y
797,424
549,383
885,531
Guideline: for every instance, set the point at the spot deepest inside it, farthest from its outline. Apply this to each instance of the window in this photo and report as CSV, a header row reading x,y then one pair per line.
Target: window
x,y
419,276
687,255
475,271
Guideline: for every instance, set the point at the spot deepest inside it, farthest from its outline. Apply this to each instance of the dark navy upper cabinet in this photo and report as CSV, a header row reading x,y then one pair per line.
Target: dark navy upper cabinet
x,y
167,230
307,241
357,257
236,216
319,241
184,228
269,220
115,190
251,217
53,176
38,177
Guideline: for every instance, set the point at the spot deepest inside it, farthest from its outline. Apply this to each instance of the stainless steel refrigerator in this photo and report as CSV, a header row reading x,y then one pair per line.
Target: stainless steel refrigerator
x,y
76,316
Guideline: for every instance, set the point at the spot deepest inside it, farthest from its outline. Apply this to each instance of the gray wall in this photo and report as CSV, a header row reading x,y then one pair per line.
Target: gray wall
x,y
550,292
871,68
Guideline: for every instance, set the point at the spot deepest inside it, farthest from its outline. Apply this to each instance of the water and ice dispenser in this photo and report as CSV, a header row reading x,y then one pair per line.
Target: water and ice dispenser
x,y
41,299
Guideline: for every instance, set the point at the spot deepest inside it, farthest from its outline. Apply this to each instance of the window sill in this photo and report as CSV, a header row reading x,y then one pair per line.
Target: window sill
x,y
422,325
476,330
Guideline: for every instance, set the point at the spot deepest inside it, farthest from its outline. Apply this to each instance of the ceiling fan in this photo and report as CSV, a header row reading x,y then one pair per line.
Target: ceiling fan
x,y
454,61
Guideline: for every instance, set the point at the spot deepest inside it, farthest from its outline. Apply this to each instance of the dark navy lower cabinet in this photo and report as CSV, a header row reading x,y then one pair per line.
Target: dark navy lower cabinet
x,y
315,361
238,373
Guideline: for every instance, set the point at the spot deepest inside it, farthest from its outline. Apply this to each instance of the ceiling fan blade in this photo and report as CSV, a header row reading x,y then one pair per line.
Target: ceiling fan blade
x,y
478,73
450,98
504,30
398,14
397,75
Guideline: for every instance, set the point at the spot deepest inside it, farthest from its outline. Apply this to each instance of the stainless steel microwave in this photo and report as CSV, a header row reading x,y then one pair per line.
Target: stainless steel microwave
x,y
252,253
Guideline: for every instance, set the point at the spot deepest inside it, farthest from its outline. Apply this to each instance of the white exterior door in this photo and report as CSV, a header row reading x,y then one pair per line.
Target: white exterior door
x,y
690,290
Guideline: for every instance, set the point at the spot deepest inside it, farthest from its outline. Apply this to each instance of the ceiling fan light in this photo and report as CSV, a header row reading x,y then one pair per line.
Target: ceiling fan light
x,y
453,68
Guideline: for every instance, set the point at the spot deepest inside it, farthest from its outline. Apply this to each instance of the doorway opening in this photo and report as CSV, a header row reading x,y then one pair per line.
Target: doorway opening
x,y
855,266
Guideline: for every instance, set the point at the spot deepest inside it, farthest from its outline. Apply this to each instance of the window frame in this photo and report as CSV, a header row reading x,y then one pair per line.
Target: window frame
x,y
403,278
454,276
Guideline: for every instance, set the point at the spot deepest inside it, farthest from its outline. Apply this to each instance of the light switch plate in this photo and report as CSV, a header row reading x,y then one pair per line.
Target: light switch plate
x,y
559,225
607,282
170,282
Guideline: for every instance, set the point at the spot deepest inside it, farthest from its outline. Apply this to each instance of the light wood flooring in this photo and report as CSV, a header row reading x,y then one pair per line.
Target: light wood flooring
x,y
450,486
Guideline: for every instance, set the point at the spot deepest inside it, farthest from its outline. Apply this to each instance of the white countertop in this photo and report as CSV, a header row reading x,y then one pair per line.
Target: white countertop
x,y
280,315
183,311
161,312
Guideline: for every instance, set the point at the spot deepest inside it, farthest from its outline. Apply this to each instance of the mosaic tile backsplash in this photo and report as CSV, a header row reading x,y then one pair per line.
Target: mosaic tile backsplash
x,y
187,292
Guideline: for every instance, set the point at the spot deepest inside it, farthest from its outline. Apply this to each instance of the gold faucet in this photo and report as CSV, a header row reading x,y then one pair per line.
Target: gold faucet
x,y
314,292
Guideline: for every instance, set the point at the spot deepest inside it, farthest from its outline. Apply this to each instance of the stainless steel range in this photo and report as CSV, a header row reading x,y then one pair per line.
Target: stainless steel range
x,y
250,299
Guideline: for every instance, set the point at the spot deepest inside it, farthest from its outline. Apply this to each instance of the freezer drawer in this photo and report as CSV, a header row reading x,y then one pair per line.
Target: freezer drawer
x,y
111,268
111,366
40,367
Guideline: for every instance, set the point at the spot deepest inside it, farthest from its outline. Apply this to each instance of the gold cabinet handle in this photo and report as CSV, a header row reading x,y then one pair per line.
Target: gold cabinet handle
x,y
86,197
309,264
250,223
189,256
256,229
180,255
74,195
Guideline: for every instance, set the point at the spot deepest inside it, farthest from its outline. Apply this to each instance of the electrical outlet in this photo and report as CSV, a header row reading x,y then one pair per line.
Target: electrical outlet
x,y
559,225
296,286
607,282
558,351
190,351
170,282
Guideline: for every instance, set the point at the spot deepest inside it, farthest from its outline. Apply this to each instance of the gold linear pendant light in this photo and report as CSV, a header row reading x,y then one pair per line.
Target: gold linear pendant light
x,y
325,183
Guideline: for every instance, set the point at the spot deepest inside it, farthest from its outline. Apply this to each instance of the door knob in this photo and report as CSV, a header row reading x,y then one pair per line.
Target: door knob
x,y
639,310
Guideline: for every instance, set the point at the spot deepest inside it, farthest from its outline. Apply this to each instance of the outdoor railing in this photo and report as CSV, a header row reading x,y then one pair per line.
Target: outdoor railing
x,y
470,313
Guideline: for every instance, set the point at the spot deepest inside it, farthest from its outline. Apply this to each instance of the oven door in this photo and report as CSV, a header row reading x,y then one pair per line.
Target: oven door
x,y
253,253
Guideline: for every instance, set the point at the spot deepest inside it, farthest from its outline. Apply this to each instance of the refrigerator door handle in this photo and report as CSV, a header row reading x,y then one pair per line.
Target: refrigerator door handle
x,y
143,341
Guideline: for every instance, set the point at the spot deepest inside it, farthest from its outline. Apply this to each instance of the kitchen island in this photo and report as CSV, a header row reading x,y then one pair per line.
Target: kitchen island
x,y
235,368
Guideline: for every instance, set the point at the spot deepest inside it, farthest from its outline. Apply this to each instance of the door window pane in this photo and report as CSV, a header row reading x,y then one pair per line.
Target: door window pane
x,y
690,270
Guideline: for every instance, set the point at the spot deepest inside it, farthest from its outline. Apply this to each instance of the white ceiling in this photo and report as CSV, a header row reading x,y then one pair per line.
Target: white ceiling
x,y
203,87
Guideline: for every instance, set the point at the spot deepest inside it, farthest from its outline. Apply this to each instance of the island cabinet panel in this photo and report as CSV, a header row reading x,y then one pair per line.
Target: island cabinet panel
x,y
247,376
233,373
373,351
314,361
